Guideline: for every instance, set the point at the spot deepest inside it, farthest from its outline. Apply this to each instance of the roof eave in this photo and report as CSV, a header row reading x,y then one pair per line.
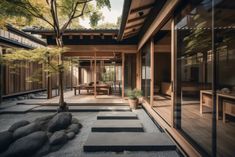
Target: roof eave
x,y
125,13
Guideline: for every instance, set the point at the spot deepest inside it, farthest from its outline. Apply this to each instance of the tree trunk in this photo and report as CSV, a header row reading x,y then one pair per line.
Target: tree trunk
x,y
62,104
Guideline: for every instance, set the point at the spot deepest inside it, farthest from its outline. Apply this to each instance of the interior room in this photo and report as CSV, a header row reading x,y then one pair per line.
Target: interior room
x,y
162,73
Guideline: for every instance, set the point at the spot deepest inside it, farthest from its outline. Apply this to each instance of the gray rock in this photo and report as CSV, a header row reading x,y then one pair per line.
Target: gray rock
x,y
27,145
43,121
75,121
18,125
45,149
59,137
49,134
44,118
60,121
70,135
26,130
73,128
6,138
20,98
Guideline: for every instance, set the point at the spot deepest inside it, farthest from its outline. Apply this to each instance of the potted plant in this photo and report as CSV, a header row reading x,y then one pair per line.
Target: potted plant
x,y
133,96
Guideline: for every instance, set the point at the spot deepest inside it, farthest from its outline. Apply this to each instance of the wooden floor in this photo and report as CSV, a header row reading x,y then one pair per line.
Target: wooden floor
x,y
162,105
199,127
82,99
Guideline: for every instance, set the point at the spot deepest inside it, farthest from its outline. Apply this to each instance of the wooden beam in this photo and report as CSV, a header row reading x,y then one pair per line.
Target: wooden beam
x,y
144,7
101,48
137,18
135,25
159,21
123,74
151,71
130,31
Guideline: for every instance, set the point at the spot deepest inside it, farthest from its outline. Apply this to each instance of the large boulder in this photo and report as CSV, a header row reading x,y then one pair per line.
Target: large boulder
x,y
58,138
28,145
60,121
18,125
73,128
6,138
26,130
70,135
43,121
76,121
45,149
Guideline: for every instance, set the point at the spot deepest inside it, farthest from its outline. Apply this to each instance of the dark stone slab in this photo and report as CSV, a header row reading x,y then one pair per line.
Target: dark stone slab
x,y
18,109
128,141
117,126
82,108
116,115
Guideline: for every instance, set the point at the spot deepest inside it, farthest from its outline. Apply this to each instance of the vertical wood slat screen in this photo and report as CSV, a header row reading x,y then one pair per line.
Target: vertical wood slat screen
x,y
15,82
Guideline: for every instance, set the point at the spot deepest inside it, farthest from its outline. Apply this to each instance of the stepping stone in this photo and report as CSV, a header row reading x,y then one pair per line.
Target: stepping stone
x,y
117,126
18,109
82,108
128,141
117,115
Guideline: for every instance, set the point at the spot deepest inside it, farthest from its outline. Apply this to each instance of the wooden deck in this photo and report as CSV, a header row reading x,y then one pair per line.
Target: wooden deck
x,y
82,99
199,126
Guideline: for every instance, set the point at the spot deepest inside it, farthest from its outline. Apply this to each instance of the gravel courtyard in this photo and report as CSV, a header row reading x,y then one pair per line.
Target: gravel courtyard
x,y
74,148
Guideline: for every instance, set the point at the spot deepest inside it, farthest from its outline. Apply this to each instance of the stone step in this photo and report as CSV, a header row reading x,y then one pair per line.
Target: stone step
x,y
116,115
83,108
118,142
117,126
18,109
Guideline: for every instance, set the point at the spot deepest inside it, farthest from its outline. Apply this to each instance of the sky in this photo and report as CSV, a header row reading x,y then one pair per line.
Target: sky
x,y
109,16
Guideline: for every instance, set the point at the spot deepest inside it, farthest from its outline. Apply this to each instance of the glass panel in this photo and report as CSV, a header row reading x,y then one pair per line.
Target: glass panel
x,y
193,40
225,51
162,103
130,72
145,81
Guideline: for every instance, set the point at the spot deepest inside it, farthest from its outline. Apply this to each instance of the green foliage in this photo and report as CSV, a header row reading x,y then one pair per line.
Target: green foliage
x,y
134,94
48,57
50,13
108,75
95,18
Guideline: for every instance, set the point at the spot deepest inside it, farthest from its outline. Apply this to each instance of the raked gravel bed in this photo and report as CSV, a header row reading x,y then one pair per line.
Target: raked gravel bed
x,y
74,148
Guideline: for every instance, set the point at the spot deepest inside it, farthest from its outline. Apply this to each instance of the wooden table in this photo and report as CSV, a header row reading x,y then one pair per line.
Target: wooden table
x,y
92,87
219,105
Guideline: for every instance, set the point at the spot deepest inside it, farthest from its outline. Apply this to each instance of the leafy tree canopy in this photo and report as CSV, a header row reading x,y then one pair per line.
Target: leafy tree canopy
x,y
55,14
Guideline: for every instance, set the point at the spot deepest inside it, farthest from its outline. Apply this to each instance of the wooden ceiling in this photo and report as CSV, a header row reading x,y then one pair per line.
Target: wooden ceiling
x,y
139,11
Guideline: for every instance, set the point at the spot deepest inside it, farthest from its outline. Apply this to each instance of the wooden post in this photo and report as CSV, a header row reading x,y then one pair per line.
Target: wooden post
x,y
138,70
95,76
151,71
123,87
173,71
49,85
1,78
71,83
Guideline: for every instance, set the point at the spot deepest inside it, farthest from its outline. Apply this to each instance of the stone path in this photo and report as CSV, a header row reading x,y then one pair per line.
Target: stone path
x,y
117,126
117,115
115,132
82,108
18,108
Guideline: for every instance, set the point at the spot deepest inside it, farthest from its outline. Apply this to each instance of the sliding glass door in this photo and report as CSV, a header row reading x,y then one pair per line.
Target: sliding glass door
x,y
145,78
194,52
